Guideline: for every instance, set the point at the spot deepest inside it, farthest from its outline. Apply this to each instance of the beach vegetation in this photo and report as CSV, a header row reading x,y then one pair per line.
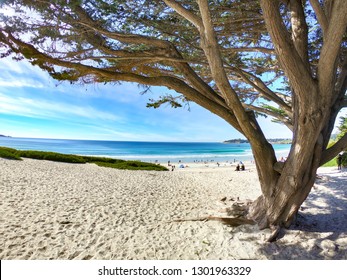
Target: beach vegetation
x,y
239,59
10,153
341,132
344,159
41,155
330,163
342,128
133,165
102,159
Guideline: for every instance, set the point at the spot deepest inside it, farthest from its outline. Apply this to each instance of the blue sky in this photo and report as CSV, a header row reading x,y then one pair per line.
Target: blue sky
x,y
34,105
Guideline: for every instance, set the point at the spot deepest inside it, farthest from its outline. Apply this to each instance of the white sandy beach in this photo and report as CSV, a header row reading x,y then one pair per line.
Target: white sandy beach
x,y
51,210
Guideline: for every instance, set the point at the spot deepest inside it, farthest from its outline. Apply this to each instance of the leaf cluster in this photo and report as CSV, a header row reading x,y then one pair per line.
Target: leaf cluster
x,y
342,128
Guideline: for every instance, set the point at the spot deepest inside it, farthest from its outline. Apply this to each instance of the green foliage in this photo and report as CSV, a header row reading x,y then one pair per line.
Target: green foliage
x,y
333,162
10,150
173,101
331,143
65,75
342,127
101,159
277,111
330,163
344,159
97,34
52,156
10,153
274,109
133,165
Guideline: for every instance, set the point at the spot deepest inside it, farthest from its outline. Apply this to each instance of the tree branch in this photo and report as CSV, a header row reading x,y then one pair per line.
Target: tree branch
x,y
85,20
341,83
265,154
195,20
328,6
299,30
284,120
178,85
252,49
260,86
321,17
293,65
211,48
331,46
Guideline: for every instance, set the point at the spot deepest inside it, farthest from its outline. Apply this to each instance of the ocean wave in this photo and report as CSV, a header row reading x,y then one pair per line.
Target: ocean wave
x,y
207,156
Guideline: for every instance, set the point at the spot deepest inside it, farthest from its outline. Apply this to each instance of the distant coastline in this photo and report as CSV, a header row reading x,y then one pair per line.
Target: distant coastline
x,y
271,140
5,136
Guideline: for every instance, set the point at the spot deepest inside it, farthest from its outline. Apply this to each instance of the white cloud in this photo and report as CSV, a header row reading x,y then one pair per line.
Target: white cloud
x,y
20,83
37,108
18,67
22,74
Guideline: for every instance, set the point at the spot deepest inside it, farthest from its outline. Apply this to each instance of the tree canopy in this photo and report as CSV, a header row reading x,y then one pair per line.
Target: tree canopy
x,y
233,57
106,41
153,43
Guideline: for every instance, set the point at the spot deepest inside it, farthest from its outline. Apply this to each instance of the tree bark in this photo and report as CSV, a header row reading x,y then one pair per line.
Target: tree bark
x,y
313,109
277,207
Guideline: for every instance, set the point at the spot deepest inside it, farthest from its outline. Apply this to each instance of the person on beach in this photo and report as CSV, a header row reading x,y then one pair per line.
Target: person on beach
x,y
339,161
243,167
237,167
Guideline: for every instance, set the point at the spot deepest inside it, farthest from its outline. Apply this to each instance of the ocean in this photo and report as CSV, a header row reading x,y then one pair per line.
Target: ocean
x,y
144,151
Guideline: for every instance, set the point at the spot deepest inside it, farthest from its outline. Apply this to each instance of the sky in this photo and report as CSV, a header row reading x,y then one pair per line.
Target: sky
x,y
34,105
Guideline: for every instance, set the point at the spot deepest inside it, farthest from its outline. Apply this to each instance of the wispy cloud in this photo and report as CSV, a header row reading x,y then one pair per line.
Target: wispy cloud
x,y
33,104
37,108
19,67
21,74
20,83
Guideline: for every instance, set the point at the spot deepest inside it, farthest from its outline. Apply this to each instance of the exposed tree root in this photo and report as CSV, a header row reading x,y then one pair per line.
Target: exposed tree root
x,y
274,234
237,214
241,213
233,222
239,209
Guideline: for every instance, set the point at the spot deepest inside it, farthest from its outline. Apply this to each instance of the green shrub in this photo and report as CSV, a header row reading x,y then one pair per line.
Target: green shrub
x,y
52,156
344,159
11,150
9,153
133,165
102,159
330,163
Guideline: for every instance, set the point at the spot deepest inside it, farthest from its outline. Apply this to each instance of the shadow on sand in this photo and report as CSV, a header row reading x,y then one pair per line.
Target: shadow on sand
x,y
320,231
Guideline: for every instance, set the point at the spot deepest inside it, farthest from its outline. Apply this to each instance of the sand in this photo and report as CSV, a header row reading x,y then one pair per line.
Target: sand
x,y
51,210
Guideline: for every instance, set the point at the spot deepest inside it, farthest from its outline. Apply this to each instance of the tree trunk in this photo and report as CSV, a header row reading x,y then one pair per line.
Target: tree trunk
x,y
278,205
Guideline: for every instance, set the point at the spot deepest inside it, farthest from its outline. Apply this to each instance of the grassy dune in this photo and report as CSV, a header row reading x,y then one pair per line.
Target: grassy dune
x,y
14,154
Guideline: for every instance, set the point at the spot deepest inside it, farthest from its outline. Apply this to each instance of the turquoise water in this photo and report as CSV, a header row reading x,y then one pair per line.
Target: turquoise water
x,y
145,151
